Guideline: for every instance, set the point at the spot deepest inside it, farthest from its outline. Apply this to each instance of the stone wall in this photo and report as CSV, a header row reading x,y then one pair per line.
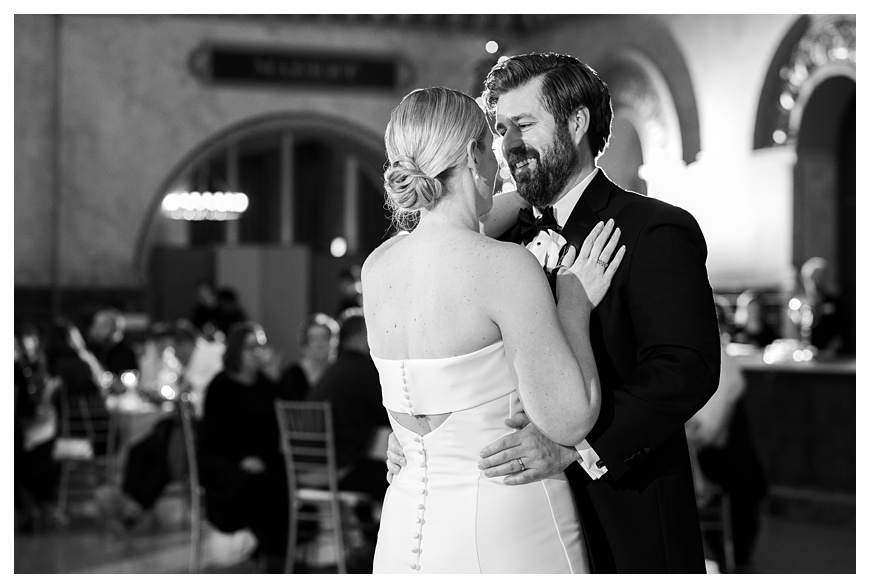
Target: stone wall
x,y
130,110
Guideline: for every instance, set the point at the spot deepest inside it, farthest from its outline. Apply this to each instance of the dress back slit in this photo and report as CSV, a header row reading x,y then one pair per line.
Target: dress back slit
x,y
441,515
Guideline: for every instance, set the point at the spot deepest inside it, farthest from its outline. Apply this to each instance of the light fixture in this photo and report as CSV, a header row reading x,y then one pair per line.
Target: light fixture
x,y
168,392
197,206
130,378
338,247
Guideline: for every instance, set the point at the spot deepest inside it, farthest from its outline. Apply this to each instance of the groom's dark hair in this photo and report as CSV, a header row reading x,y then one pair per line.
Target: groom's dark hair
x,y
568,84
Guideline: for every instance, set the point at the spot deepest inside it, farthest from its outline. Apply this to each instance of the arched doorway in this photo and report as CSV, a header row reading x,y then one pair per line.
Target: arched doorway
x,y
315,210
648,133
808,101
825,193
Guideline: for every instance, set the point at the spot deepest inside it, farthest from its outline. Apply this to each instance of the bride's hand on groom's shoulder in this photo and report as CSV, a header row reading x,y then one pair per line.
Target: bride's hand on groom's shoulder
x,y
525,455
594,265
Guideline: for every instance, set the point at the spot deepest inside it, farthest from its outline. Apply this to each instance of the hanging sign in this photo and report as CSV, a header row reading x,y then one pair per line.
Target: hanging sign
x,y
226,64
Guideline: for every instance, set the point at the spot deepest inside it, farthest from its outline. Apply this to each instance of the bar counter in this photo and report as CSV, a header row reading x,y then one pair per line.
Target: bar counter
x,y
802,416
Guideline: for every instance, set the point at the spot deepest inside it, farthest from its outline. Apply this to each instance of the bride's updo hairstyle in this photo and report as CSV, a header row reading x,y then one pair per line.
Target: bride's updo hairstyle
x,y
425,139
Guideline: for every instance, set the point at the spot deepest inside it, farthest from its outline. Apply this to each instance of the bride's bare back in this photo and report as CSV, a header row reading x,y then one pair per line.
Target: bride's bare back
x,y
425,298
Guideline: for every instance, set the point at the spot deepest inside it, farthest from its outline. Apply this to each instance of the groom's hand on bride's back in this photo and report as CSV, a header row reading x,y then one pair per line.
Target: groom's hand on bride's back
x,y
540,456
525,455
395,457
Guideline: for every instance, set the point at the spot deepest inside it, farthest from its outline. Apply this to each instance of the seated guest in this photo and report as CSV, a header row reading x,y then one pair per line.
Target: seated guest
x,y
200,359
318,338
353,388
750,325
228,312
36,474
722,440
83,386
204,311
241,466
154,361
817,291
159,458
106,338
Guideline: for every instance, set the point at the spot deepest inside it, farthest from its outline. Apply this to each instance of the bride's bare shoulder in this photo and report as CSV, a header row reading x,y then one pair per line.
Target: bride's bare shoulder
x,y
505,252
382,249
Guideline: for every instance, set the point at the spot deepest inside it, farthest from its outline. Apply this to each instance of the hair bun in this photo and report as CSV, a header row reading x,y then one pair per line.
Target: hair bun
x,y
409,187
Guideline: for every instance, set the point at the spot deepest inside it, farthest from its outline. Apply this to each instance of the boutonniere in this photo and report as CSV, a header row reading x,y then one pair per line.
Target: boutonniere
x,y
549,248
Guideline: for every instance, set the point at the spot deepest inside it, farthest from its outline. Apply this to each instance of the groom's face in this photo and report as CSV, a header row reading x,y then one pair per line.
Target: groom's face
x,y
538,150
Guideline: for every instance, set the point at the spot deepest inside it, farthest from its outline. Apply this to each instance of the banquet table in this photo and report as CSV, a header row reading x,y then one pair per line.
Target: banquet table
x,y
803,420
136,416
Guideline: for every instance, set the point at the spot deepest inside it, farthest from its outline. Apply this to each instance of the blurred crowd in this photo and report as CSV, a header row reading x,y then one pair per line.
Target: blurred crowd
x,y
69,383
811,314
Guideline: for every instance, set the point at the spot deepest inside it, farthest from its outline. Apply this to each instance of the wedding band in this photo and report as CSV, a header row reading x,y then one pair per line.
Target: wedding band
x,y
522,466
603,264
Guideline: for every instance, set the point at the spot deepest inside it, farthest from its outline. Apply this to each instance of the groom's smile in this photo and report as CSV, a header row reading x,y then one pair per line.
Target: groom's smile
x,y
539,152
540,175
522,167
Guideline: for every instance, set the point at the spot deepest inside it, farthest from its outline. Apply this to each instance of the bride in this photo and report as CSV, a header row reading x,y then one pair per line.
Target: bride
x,y
459,324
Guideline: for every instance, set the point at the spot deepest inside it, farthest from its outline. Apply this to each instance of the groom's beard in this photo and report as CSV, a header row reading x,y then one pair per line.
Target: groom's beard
x,y
540,186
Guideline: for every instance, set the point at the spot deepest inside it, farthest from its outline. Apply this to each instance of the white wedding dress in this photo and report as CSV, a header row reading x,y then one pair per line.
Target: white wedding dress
x,y
441,514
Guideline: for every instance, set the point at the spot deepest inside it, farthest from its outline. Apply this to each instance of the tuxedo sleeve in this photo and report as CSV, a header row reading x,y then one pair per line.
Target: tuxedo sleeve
x,y
669,299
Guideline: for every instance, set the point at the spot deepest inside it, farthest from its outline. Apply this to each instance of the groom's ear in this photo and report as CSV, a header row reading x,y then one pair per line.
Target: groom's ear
x,y
578,124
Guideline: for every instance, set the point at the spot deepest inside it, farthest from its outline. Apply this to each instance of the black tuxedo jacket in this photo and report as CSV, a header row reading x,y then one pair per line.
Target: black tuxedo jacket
x,y
656,344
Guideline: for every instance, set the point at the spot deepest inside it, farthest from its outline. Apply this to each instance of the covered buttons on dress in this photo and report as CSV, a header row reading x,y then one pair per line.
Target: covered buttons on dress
x,y
416,539
405,393
417,535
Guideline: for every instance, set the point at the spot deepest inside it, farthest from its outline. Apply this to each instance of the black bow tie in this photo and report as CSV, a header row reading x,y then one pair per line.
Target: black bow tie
x,y
530,225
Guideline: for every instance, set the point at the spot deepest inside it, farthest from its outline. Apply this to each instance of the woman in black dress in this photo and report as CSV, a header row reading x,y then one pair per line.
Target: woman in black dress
x,y
241,464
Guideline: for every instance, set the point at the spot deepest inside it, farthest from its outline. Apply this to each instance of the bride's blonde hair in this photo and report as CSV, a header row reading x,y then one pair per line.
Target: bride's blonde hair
x,y
425,139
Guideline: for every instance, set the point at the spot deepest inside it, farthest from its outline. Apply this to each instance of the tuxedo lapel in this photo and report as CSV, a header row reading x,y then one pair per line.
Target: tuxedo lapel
x,y
586,213
580,223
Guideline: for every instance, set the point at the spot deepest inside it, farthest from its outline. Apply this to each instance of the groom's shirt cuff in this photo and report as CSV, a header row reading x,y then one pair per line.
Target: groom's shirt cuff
x,y
590,461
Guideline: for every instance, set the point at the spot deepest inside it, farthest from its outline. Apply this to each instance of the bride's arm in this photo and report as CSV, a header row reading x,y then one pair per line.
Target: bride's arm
x,y
580,288
548,346
574,315
503,215
549,379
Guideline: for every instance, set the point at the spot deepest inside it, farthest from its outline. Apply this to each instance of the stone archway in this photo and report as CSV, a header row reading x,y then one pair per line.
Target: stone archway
x,y
814,49
808,102
309,179
360,144
648,137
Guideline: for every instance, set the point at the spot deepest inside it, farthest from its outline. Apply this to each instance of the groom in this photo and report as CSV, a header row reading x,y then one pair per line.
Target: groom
x,y
654,336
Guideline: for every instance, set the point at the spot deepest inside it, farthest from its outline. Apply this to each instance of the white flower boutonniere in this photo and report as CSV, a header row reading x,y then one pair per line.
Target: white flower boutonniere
x,y
549,248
